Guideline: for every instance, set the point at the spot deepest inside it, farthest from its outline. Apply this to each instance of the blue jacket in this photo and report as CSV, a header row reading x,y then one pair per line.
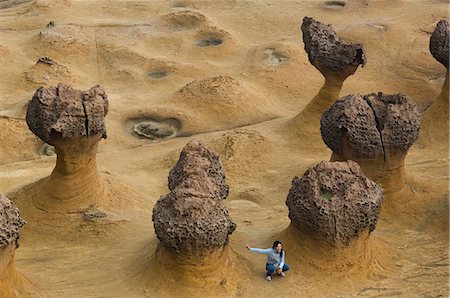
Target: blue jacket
x,y
273,257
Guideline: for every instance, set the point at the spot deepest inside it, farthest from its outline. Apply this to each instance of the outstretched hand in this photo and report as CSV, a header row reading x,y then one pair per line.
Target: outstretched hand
x,y
248,246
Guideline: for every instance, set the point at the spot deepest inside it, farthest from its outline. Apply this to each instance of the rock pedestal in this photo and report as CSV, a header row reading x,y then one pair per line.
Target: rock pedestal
x,y
191,220
73,122
376,131
336,60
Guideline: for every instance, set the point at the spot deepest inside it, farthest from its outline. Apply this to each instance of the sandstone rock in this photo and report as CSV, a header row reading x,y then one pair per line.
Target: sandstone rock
x,y
371,126
191,219
191,224
199,169
326,51
73,122
67,111
334,201
439,42
10,223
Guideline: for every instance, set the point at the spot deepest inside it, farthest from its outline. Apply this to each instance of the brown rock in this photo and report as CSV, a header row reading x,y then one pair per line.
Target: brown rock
x,y
329,54
439,42
199,169
371,126
73,122
334,201
336,60
192,225
191,219
10,223
67,111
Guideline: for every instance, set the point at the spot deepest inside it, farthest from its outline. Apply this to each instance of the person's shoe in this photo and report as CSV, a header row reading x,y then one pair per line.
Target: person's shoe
x,y
282,274
268,278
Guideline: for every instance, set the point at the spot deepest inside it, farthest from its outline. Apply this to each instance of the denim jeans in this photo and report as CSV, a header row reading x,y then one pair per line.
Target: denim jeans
x,y
271,268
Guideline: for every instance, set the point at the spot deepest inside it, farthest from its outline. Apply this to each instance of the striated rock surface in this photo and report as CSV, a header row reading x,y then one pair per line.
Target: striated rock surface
x,y
326,52
10,223
191,219
439,42
67,111
371,126
334,201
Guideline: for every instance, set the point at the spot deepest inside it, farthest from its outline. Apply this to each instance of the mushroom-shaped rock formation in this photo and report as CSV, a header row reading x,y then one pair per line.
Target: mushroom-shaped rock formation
x,y
191,221
335,202
10,223
435,120
73,122
336,60
376,131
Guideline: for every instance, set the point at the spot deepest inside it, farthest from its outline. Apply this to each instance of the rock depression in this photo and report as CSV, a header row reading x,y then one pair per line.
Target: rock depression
x,y
376,131
73,122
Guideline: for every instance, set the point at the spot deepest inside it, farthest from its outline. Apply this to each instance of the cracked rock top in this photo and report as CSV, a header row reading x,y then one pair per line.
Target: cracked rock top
x,y
67,111
199,170
10,222
371,125
326,51
439,42
335,201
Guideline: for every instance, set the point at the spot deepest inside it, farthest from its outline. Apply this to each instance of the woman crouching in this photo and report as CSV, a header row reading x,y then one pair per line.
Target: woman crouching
x,y
275,259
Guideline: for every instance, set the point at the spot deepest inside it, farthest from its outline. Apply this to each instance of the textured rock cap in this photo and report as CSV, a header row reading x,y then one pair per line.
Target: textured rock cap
x,y
326,51
191,224
372,125
439,42
335,201
67,111
10,222
191,218
199,169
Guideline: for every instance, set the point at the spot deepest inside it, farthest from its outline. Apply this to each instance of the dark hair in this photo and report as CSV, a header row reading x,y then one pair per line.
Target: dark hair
x,y
275,244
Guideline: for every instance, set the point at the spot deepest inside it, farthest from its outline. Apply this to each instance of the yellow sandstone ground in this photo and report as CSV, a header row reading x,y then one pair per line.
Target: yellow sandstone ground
x,y
143,53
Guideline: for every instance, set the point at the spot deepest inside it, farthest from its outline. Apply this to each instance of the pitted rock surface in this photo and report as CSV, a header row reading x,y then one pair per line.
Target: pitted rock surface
x,y
374,125
439,42
191,219
334,200
10,222
323,46
67,111
202,167
191,224
353,118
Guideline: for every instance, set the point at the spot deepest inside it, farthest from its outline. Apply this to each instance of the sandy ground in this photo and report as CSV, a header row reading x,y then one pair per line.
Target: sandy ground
x,y
252,75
